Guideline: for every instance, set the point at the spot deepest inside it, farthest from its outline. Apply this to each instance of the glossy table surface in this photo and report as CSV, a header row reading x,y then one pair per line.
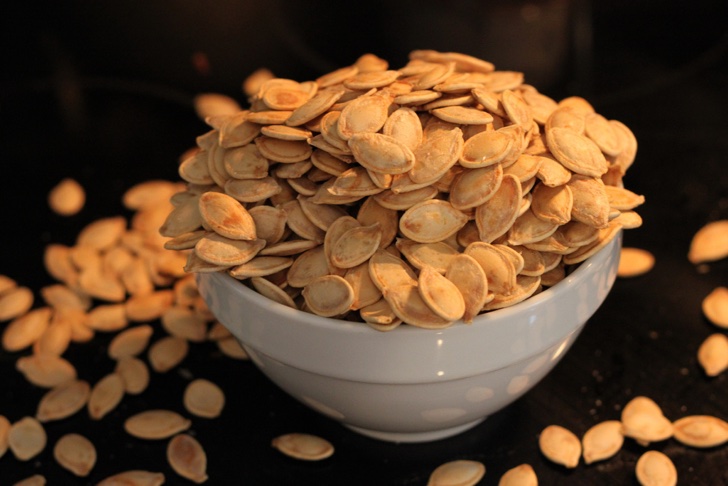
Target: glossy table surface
x,y
110,133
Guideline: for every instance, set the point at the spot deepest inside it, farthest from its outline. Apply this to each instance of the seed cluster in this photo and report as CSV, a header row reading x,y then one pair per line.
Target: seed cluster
x,y
421,195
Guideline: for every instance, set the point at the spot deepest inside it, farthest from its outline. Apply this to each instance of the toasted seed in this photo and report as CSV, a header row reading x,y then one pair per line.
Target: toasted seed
x,y
713,354
63,400
329,295
106,394
560,446
431,221
15,302
437,255
67,197
485,149
566,117
167,352
365,291
404,125
602,441
381,153
252,190
582,253
522,475
441,295
408,305
715,307
75,453
148,307
134,478
103,233
108,317
134,374
34,480
387,270
187,458
214,104
642,420
498,267
474,187
496,216
436,155
130,342
23,331
701,431
529,228
306,447
634,262
260,266
623,199
231,348
460,472
709,243
26,438
655,469
355,246
468,276
524,287
272,291
576,152
226,216
193,168
4,431
45,370
590,201
203,398
156,424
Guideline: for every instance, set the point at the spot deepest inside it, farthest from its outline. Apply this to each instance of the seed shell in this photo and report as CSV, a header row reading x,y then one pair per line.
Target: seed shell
x,y
134,478
156,424
709,243
522,475
75,453
26,438
713,354
634,262
460,473
302,446
701,431
204,398
63,400
655,469
105,395
715,307
602,441
560,446
187,457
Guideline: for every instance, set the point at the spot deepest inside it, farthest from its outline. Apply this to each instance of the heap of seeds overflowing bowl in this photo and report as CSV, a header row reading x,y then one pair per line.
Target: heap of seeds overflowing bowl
x,y
421,195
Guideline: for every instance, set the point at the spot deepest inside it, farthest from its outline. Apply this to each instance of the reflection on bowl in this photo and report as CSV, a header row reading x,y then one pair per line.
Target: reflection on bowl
x,y
412,384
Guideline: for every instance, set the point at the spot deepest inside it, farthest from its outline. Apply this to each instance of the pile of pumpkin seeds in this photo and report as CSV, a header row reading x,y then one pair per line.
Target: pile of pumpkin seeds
x,y
422,195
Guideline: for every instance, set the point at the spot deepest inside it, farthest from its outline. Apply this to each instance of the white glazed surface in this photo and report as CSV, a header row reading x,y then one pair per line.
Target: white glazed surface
x,y
412,384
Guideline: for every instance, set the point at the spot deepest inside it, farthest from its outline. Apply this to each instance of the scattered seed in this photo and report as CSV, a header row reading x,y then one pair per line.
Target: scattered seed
x,y
63,401
26,438
167,352
75,453
715,307
134,373
710,243
134,478
701,431
522,475
34,480
67,197
306,447
713,354
560,446
156,424
204,398
187,457
634,262
460,472
655,469
106,394
602,441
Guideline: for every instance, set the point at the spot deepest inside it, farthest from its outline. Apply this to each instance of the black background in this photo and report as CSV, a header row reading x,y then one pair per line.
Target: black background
x,y
101,91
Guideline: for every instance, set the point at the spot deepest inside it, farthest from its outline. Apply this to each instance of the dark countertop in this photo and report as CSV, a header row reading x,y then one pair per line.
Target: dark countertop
x,y
661,72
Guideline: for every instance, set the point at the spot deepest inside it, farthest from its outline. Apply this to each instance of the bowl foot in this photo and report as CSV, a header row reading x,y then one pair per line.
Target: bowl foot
x,y
415,436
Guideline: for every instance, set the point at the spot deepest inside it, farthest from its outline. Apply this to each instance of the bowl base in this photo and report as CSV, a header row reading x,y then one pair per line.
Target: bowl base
x,y
412,437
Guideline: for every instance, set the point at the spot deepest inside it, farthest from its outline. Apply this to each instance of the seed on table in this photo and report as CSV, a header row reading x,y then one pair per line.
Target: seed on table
x,y
63,401
105,395
715,307
230,347
655,469
75,453
634,262
187,457
460,472
709,243
134,478
204,398
67,197
4,433
713,354
306,447
26,438
560,446
642,420
134,374
26,329
522,475
156,424
701,431
167,352
130,342
45,370
34,480
602,441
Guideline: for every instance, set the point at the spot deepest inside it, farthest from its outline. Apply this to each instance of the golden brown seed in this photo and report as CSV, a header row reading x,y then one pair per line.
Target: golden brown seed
x,y
34,480
63,400
108,317
655,469
715,307
134,478
701,431
306,447
204,398
230,347
75,453
642,420
436,155
713,354
441,295
23,331
431,221
602,441
156,424
167,352
460,472
130,342
329,295
709,243
381,153
185,323
226,216
496,216
148,307
4,431
134,374
355,246
106,394
15,302
187,457
522,475
560,446
468,276
67,197
408,305
634,262
26,438
103,233
45,370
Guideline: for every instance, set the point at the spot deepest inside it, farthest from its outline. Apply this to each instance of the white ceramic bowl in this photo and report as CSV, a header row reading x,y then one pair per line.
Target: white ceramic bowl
x,y
412,384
